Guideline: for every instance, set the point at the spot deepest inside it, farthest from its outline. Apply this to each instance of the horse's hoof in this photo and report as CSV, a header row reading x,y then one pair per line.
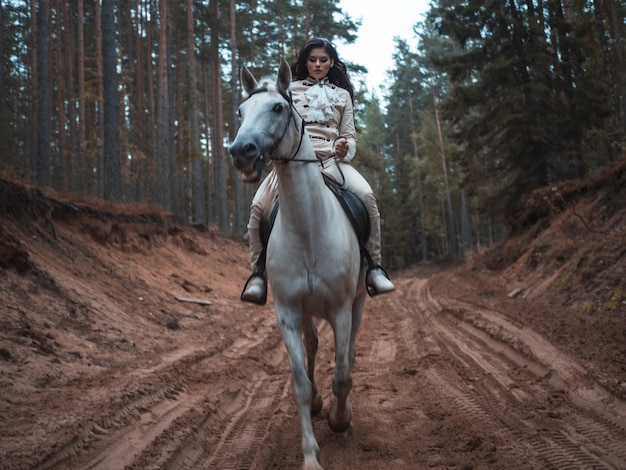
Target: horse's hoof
x,y
316,404
339,424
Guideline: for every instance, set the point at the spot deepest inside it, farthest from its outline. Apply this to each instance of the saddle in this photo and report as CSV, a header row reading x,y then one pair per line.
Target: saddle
x,y
354,209
351,204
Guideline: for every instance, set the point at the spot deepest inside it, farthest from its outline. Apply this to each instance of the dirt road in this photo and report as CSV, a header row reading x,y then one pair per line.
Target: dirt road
x,y
439,383
106,364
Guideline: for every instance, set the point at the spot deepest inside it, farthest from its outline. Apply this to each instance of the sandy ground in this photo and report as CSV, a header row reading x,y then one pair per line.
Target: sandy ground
x,y
123,345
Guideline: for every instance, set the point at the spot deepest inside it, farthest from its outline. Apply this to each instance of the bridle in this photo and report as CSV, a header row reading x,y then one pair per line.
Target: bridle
x,y
292,112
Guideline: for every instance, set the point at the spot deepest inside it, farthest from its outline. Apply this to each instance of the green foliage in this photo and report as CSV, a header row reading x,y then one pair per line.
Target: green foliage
x,y
500,97
14,98
523,96
527,94
270,30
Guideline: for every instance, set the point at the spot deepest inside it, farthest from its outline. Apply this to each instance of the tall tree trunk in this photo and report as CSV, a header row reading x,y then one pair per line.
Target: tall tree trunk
x,y
31,144
138,129
418,175
127,64
100,123
180,162
608,72
197,173
218,122
111,146
306,7
70,165
163,187
618,28
466,223
82,134
536,18
5,132
62,157
450,219
565,58
210,170
171,163
151,147
241,207
43,96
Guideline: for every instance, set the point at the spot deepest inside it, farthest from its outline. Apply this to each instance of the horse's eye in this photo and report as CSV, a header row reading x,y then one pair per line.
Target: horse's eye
x,y
278,108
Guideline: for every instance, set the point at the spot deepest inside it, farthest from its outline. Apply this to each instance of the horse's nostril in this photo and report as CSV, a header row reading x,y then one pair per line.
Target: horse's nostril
x,y
250,149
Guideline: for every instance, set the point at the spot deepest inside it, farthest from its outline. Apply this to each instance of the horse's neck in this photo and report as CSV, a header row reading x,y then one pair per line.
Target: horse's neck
x,y
301,190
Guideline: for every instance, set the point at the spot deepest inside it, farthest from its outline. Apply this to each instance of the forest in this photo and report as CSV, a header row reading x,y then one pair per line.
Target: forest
x,y
134,101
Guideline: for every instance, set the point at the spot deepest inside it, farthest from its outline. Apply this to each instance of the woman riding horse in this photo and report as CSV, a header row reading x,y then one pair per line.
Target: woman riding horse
x,y
307,282
324,96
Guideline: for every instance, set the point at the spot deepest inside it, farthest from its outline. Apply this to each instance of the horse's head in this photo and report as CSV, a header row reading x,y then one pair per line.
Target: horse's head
x,y
264,119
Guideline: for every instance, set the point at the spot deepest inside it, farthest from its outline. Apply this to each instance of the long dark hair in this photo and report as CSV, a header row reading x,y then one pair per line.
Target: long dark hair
x,y
337,75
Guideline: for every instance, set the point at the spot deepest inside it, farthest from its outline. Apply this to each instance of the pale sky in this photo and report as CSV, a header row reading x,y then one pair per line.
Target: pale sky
x,y
382,20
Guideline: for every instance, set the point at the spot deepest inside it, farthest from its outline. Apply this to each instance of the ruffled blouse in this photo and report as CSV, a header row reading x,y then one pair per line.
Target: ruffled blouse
x,y
322,99
328,113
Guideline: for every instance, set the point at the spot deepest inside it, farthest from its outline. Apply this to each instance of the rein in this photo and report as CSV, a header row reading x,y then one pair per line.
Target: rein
x,y
291,117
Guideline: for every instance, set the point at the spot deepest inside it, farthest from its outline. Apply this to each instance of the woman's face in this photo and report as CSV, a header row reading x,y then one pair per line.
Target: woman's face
x,y
319,63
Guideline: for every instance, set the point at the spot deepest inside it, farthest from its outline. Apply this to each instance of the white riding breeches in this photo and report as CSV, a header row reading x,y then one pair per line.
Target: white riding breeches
x,y
346,175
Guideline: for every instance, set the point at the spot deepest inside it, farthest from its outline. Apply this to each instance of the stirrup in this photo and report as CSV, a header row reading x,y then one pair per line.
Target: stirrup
x,y
263,299
371,290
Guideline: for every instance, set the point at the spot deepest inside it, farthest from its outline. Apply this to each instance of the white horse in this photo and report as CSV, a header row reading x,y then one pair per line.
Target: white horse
x,y
313,260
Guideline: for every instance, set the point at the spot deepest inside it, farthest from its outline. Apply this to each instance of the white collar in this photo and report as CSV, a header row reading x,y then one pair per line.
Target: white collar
x,y
321,100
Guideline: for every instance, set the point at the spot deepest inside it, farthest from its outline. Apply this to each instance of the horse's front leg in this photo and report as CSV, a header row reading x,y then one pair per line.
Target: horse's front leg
x,y
340,414
290,325
311,342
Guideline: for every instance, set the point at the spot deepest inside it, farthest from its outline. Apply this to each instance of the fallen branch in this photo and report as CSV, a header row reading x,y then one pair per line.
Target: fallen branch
x,y
195,301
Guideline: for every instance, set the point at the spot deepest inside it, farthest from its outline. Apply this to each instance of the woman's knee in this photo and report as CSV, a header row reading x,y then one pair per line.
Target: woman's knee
x,y
256,213
369,200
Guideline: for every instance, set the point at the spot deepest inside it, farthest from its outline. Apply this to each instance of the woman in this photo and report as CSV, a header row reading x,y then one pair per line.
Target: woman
x,y
324,96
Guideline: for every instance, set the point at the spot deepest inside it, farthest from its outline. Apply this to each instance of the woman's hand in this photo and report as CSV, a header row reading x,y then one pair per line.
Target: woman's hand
x,y
341,149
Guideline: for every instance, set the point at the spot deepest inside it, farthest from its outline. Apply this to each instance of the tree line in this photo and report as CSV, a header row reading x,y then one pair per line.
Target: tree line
x,y
135,101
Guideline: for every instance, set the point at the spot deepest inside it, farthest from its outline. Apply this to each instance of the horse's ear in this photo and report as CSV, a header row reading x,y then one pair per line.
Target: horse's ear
x,y
284,75
248,81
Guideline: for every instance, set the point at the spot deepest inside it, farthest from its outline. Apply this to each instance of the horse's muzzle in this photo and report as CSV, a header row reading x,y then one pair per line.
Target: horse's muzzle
x,y
247,158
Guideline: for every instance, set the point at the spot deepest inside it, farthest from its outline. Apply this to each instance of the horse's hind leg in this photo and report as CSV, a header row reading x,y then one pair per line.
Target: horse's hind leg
x,y
311,342
340,414
289,324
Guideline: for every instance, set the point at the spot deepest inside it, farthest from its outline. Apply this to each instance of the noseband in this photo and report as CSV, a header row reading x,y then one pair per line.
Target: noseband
x,y
287,96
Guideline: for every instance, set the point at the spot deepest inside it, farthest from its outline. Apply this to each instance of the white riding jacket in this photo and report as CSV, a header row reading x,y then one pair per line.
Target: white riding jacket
x,y
328,114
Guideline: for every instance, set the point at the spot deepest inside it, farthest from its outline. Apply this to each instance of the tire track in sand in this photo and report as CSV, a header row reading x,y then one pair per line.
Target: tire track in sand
x,y
488,381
